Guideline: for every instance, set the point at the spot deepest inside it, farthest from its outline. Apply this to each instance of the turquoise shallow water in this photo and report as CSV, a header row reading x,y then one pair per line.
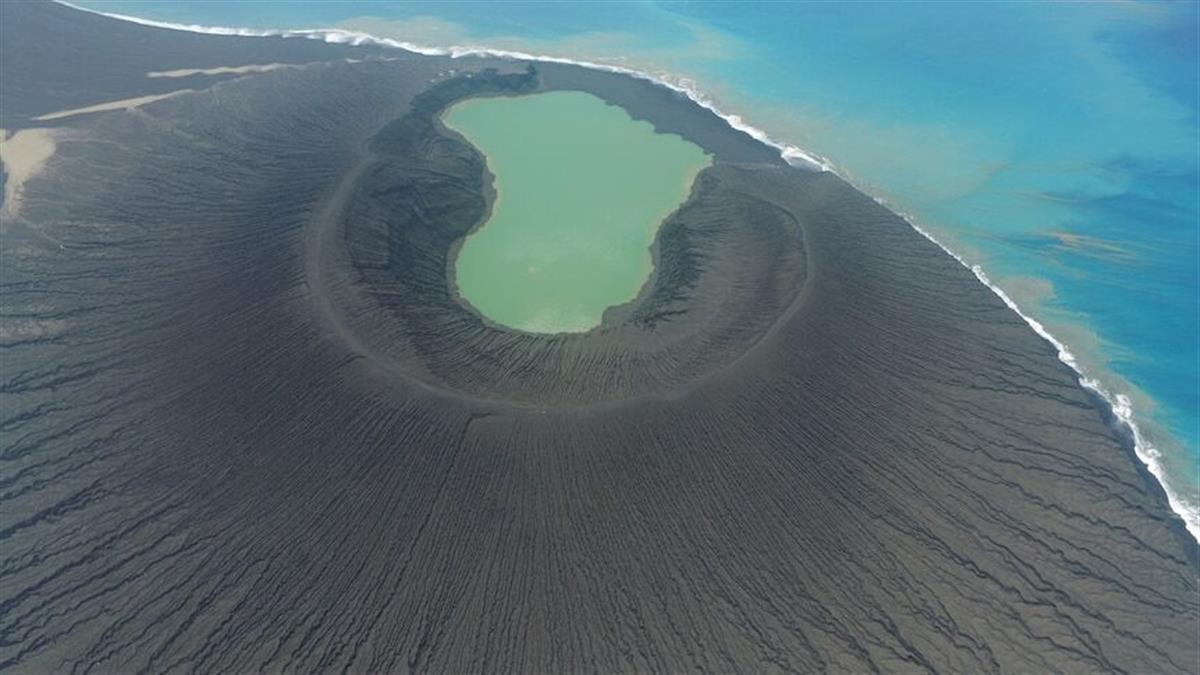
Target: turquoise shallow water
x,y
1053,144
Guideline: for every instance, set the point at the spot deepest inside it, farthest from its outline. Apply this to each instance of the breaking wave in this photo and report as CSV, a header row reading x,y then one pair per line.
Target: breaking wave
x,y
1120,404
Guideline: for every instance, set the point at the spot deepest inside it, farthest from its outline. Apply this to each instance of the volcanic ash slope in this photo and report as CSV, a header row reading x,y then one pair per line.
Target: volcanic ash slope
x,y
247,426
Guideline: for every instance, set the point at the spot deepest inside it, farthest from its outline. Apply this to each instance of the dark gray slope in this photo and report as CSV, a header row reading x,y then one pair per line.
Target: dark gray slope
x,y
244,426
58,58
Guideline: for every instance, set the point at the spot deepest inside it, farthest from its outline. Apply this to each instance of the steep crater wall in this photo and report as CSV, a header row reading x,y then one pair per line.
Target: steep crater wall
x,y
727,266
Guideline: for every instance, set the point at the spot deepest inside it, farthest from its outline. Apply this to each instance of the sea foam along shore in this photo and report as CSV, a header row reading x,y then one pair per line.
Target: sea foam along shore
x,y
1119,403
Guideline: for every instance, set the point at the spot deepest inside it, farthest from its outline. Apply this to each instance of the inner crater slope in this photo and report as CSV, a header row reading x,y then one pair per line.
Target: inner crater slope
x,y
696,279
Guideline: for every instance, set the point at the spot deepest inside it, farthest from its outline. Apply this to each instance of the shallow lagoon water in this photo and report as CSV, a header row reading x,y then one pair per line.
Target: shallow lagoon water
x,y
582,189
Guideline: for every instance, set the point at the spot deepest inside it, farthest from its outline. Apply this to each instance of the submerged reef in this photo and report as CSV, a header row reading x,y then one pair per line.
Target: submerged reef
x,y
247,424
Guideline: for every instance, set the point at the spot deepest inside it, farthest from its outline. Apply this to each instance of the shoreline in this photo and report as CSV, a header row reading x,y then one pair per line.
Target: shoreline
x,y
1120,405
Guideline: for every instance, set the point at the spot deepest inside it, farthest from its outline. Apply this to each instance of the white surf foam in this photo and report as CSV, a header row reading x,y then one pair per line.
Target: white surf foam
x,y
1120,403
790,153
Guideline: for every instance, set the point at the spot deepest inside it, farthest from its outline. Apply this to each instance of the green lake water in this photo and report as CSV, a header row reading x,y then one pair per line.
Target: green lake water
x,y
581,191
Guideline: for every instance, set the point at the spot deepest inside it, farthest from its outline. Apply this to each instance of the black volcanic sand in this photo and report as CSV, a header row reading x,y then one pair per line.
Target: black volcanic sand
x,y
247,427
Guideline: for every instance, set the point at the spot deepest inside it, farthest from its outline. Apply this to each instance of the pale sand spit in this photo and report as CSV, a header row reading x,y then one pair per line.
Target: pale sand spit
x,y
23,154
222,70
123,104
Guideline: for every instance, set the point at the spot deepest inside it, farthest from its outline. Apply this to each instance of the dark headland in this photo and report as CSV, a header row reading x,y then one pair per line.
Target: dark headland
x,y
246,426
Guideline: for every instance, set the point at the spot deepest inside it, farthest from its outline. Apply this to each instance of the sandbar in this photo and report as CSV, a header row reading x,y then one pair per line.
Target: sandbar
x,y
23,154
123,104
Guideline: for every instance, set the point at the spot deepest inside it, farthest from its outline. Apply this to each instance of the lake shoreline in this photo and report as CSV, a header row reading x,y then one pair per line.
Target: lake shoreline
x,y
538,213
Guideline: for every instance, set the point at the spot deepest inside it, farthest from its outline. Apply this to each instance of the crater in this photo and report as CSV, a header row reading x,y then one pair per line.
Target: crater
x,y
701,282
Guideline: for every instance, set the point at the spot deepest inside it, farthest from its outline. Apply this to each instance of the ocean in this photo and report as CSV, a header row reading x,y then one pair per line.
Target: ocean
x,y
1054,146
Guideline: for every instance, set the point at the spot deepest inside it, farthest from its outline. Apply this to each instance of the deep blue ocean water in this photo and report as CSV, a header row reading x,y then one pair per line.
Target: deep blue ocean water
x,y
1056,145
